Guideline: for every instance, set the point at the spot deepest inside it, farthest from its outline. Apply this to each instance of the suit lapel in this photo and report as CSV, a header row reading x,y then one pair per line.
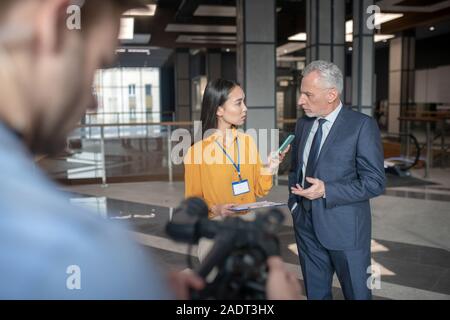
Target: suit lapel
x,y
335,129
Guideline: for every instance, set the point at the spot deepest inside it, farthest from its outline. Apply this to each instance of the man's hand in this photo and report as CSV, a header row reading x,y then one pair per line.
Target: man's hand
x,y
182,282
315,191
281,284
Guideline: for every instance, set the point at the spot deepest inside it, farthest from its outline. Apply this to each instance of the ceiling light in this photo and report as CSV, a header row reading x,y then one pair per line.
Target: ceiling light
x,y
298,37
380,18
376,37
349,27
432,28
382,37
290,47
149,11
137,50
200,28
126,29
290,58
215,11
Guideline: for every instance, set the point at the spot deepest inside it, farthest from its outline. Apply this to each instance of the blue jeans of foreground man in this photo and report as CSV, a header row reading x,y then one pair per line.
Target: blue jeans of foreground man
x,y
319,264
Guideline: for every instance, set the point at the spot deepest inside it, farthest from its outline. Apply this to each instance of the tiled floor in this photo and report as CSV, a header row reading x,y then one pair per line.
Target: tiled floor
x,y
411,230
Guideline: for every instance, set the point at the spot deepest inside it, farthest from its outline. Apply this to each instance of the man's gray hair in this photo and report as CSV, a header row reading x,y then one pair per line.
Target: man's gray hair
x,y
330,74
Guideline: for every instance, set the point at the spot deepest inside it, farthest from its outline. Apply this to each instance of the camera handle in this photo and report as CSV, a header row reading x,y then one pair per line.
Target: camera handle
x,y
223,246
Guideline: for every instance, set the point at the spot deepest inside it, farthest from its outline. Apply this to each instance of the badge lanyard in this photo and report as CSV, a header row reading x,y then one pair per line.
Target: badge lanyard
x,y
236,166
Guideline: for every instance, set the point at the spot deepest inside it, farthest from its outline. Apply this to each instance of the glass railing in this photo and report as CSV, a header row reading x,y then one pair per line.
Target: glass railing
x,y
112,151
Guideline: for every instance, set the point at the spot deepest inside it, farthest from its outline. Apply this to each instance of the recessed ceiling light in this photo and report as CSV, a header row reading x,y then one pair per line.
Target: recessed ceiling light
x,y
376,37
138,50
290,47
149,11
215,11
382,37
298,37
432,28
126,29
227,50
381,18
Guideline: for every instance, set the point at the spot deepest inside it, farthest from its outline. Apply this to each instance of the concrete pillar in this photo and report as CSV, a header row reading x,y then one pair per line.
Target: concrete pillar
x,y
256,68
213,64
401,79
363,59
182,86
325,29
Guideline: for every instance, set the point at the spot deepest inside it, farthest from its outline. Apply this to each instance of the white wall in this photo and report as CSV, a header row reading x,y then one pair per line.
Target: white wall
x,y
432,85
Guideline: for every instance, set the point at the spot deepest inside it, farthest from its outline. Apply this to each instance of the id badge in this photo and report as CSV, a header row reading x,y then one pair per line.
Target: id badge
x,y
240,187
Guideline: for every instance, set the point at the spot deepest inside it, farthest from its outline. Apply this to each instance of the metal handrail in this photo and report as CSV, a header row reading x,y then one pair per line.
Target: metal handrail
x,y
134,124
404,166
134,112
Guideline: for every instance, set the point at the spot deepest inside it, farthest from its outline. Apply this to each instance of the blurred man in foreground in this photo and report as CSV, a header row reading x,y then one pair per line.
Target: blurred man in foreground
x,y
49,249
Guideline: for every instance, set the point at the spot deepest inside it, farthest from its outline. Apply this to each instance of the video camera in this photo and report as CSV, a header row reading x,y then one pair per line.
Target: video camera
x,y
238,255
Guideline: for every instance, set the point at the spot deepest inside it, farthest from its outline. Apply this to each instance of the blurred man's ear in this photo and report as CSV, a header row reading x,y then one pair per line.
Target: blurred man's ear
x,y
51,25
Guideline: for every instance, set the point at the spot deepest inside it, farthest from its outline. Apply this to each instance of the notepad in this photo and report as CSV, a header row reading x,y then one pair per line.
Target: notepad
x,y
257,205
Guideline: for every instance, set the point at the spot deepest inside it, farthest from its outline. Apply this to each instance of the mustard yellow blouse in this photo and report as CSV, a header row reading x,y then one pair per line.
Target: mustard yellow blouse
x,y
209,173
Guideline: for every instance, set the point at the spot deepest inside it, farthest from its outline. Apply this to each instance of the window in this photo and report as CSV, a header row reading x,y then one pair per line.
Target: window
x,y
128,91
132,89
148,89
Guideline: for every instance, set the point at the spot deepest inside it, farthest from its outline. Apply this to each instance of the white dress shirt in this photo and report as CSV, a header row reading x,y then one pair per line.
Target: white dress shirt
x,y
326,127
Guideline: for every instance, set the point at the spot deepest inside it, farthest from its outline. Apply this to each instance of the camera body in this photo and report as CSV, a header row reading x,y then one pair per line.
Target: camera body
x,y
237,260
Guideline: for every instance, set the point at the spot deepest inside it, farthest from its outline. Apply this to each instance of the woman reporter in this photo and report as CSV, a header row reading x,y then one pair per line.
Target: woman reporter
x,y
225,168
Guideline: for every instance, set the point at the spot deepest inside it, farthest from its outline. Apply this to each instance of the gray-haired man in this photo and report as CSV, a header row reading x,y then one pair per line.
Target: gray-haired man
x,y
337,166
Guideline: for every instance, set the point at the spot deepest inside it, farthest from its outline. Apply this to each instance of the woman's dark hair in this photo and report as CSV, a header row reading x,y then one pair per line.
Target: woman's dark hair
x,y
216,93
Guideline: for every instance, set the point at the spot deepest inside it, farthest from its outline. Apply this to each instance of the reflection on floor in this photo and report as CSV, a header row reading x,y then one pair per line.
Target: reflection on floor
x,y
411,236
